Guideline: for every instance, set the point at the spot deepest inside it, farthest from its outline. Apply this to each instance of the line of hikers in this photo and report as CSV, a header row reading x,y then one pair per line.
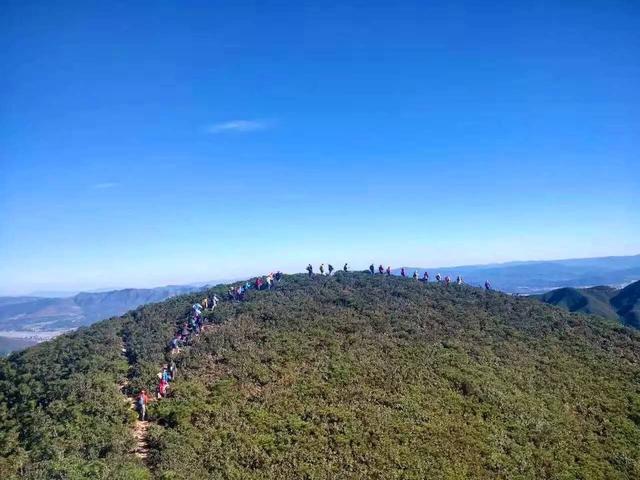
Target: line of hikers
x,y
192,327
237,293
330,269
387,271
168,373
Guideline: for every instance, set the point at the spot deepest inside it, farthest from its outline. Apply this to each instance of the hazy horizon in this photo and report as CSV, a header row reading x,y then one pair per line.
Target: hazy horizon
x,y
96,289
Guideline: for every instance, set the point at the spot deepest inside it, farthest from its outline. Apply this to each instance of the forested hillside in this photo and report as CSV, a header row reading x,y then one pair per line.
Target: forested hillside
x,y
622,304
351,376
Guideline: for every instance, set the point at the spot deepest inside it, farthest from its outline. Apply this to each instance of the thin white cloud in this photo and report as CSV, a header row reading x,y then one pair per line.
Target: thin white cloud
x,y
240,126
105,185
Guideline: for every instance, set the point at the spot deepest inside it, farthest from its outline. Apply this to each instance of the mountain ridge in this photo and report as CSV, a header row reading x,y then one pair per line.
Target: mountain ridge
x,y
33,314
620,304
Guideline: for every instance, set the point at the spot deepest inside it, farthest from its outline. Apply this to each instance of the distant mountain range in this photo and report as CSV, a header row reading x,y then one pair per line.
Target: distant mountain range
x,y
608,302
542,276
37,314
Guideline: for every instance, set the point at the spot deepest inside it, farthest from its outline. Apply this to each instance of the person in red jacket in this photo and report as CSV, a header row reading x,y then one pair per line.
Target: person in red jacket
x,y
141,404
162,388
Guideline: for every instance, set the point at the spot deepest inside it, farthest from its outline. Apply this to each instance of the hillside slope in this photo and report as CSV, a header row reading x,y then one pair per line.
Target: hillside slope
x,y
345,377
627,304
607,302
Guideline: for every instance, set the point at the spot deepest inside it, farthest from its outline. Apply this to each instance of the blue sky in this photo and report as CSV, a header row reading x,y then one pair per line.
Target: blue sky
x,y
147,143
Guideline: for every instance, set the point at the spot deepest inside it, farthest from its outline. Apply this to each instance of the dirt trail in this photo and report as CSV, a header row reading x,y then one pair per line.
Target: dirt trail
x,y
141,427
140,433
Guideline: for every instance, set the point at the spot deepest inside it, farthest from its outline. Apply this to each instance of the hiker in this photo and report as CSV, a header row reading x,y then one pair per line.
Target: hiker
x,y
165,375
372,269
185,329
388,272
205,303
175,344
330,267
214,301
141,404
459,280
438,277
415,274
402,272
380,269
173,369
425,277
162,388
321,269
345,268
259,283
487,285
270,279
447,280
278,275
196,307
310,270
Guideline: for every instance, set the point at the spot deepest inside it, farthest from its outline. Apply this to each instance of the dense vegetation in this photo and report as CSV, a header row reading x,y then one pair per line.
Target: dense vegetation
x,y
344,377
608,302
61,414
365,377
